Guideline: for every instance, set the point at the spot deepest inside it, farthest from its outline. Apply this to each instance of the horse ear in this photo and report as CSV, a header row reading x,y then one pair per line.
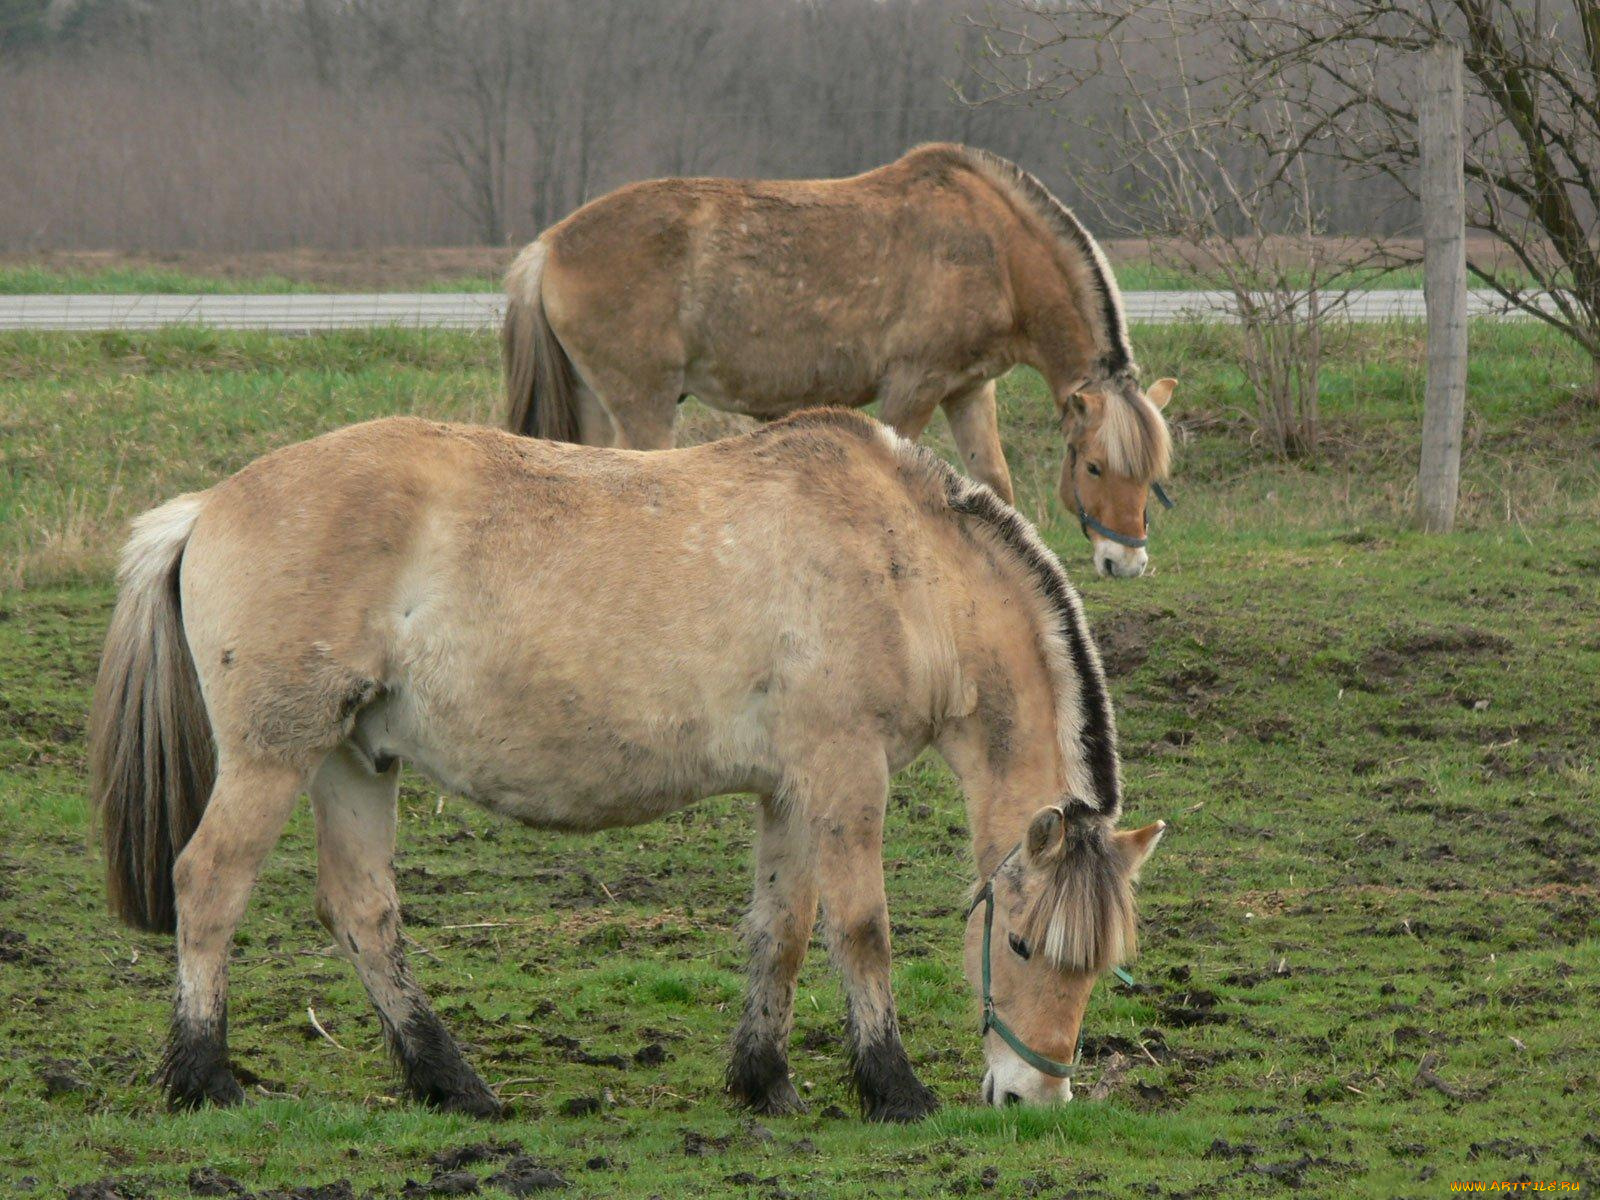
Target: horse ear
x,y
1136,845
1045,835
1089,403
1159,392
1070,408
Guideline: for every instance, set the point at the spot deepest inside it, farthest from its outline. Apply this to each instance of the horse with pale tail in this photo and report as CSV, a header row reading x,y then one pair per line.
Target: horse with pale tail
x,y
582,639
915,285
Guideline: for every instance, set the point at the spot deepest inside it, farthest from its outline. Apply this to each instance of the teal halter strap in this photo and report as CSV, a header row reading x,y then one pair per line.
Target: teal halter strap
x,y
991,1019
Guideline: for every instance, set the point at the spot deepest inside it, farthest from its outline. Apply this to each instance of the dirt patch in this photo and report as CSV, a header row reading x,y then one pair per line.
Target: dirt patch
x,y
1401,653
1124,641
15,948
1196,1007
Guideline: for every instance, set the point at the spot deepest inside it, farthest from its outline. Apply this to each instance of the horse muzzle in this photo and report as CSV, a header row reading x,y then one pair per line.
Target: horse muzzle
x,y
1011,1082
1119,562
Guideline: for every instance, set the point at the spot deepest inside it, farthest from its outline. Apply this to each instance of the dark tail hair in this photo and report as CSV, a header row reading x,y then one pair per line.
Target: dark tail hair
x,y
152,760
541,384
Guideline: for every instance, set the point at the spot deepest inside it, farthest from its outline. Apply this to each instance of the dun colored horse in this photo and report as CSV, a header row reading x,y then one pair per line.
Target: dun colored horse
x,y
915,285
586,638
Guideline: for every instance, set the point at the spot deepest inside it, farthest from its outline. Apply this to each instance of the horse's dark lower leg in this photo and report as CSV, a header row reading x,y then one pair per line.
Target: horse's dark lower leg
x,y
778,927
212,880
879,1066
356,900
849,834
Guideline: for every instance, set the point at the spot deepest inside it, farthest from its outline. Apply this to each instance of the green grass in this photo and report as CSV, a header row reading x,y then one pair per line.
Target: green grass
x,y
30,280
24,280
1377,750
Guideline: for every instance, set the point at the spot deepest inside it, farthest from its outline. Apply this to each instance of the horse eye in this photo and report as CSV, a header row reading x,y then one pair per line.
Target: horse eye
x,y
1019,947
1094,470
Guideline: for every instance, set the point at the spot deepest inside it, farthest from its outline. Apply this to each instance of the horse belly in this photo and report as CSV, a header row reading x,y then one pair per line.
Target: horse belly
x,y
559,763
760,379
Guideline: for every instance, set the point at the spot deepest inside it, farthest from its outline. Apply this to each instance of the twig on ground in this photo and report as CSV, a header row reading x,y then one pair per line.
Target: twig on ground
x,y
1426,1074
326,1036
1111,1075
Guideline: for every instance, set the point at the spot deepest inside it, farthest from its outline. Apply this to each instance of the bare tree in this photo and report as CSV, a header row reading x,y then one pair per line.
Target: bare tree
x,y
480,99
259,124
1532,123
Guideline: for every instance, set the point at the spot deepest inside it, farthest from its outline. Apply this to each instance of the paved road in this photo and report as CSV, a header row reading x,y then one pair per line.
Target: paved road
x,y
483,310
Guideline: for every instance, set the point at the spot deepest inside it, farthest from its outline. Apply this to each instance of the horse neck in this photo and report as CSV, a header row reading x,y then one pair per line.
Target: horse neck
x,y
1060,342
1007,751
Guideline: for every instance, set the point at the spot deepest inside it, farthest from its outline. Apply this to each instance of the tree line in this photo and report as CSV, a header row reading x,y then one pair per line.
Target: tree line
x,y
265,124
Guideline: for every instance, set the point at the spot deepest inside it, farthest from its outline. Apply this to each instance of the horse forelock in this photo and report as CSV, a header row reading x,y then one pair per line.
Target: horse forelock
x,y
1084,917
1134,436
1104,312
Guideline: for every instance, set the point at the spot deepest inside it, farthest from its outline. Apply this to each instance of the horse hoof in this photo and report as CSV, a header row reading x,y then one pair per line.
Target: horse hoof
x,y
904,1106
477,1102
779,1100
218,1088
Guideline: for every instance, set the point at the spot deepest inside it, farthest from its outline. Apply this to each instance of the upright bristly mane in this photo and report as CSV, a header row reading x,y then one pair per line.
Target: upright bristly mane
x,y
1084,721
1103,308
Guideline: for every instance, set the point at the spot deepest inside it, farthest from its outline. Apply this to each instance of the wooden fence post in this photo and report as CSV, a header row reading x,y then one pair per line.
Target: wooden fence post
x,y
1444,212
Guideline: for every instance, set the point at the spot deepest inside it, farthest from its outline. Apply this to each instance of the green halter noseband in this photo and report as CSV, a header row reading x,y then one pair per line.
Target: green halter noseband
x,y
991,1019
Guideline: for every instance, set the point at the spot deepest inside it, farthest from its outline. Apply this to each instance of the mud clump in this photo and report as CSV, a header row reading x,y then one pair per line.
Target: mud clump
x,y
524,1177
477,1152
652,1054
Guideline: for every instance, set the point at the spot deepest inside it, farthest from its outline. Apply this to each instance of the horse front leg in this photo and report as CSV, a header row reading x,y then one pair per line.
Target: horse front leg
x,y
845,804
975,424
783,910
908,405
356,900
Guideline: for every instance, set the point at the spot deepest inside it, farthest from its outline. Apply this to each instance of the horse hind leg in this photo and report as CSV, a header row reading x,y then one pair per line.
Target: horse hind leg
x,y
356,812
778,930
212,879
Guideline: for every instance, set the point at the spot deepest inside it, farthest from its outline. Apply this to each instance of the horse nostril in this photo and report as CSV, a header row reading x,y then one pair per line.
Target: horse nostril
x,y
1012,1098
1106,567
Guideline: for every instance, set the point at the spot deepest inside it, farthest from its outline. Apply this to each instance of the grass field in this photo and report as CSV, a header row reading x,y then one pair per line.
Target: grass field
x,y
1377,751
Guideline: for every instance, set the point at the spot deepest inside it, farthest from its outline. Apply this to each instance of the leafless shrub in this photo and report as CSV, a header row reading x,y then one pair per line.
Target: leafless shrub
x,y
1532,123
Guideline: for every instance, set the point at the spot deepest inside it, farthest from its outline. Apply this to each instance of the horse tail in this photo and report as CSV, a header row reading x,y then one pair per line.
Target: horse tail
x,y
152,759
541,384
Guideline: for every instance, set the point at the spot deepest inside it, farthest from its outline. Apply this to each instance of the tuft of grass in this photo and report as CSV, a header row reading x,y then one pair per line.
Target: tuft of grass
x,y
1376,750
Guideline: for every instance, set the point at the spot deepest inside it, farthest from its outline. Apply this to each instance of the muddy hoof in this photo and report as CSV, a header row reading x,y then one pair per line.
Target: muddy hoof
x,y
903,1106
778,1100
476,1101
216,1087
758,1079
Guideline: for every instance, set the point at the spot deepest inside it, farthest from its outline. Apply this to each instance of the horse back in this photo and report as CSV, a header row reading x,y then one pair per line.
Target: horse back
x,y
761,293
670,615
